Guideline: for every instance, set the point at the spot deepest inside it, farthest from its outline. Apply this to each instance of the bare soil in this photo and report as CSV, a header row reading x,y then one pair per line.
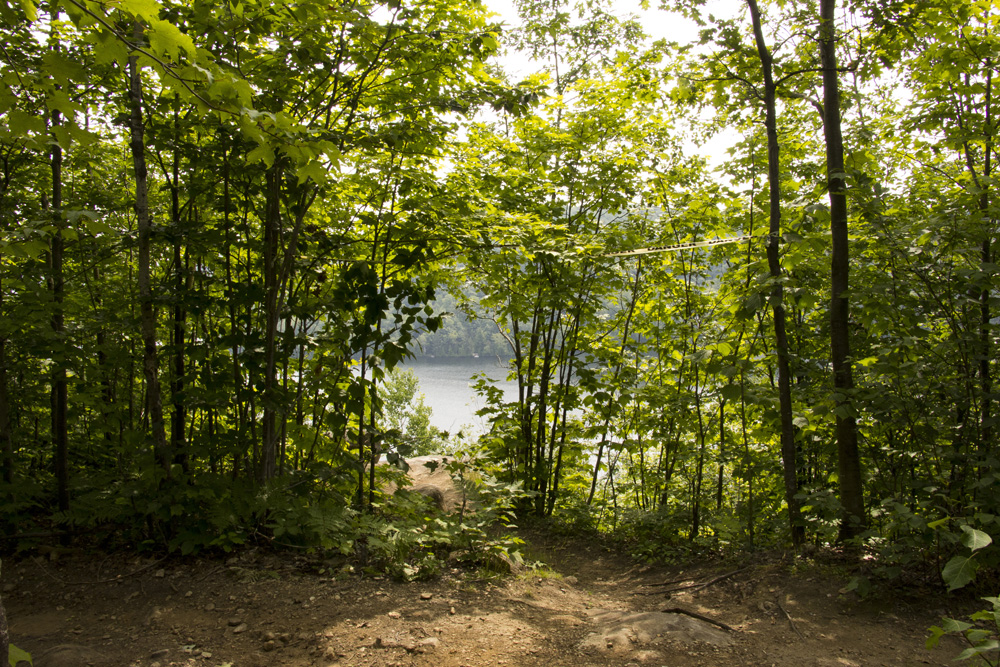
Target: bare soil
x,y
588,606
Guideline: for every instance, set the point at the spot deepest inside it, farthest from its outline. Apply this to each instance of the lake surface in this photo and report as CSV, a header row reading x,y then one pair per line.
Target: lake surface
x,y
447,388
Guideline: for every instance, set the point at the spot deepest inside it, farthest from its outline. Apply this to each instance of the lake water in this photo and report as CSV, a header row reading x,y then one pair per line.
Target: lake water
x,y
447,388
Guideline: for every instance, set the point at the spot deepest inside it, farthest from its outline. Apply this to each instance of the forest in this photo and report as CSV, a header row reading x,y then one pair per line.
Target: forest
x,y
224,225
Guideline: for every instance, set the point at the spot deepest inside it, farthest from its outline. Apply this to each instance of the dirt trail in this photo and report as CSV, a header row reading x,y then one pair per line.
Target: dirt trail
x,y
590,607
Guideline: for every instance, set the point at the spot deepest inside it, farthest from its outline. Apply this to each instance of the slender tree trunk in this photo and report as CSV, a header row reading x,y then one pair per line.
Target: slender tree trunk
x,y
4,637
178,417
147,315
267,467
788,454
849,462
105,372
722,454
700,469
234,320
748,459
614,380
6,437
59,385
986,257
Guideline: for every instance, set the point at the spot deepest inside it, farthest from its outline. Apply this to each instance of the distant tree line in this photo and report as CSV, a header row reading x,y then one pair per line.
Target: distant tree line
x,y
462,333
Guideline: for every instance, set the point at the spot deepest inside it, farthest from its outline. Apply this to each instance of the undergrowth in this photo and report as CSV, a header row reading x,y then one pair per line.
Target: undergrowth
x,y
403,534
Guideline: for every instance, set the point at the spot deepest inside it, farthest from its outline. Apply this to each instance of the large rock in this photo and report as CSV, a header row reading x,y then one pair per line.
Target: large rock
x,y
620,631
434,481
70,655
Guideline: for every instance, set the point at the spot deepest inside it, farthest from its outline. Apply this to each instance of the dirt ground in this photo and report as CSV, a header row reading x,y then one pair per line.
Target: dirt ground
x,y
587,606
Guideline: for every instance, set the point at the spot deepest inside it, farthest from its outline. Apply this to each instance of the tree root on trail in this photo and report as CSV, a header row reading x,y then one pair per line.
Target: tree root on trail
x,y
692,587
700,617
38,562
790,621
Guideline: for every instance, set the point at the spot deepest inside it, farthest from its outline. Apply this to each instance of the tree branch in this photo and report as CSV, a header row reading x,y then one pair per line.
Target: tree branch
x,y
167,67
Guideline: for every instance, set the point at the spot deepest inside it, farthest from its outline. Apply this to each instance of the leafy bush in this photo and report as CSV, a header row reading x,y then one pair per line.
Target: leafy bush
x,y
983,633
410,538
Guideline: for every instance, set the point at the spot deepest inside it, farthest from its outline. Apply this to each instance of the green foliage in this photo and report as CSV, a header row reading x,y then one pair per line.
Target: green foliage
x,y
463,333
412,539
319,177
407,417
983,633
16,655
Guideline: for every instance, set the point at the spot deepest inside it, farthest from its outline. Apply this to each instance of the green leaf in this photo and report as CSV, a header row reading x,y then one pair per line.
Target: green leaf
x,y
860,585
972,651
29,10
975,539
24,124
951,625
312,170
262,153
977,635
936,634
959,571
731,392
16,655
166,39
147,9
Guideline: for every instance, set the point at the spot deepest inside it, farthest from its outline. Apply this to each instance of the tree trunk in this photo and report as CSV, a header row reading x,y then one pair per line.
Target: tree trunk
x,y
4,637
722,454
700,468
147,316
59,387
178,418
848,459
106,374
58,380
234,321
788,454
605,427
6,440
986,256
267,466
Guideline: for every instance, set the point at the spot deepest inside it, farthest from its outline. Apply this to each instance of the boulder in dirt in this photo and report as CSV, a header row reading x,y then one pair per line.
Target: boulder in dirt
x,y
70,655
430,477
620,631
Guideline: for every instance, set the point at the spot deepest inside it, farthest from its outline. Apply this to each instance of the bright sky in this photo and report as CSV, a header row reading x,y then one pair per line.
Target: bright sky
x,y
658,24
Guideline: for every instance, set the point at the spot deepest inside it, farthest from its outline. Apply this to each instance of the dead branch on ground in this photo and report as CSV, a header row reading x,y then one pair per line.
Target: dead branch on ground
x,y
694,587
700,617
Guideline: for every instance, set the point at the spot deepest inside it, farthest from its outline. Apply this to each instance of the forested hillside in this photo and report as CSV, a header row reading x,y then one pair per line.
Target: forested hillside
x,y
224,223
464,332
